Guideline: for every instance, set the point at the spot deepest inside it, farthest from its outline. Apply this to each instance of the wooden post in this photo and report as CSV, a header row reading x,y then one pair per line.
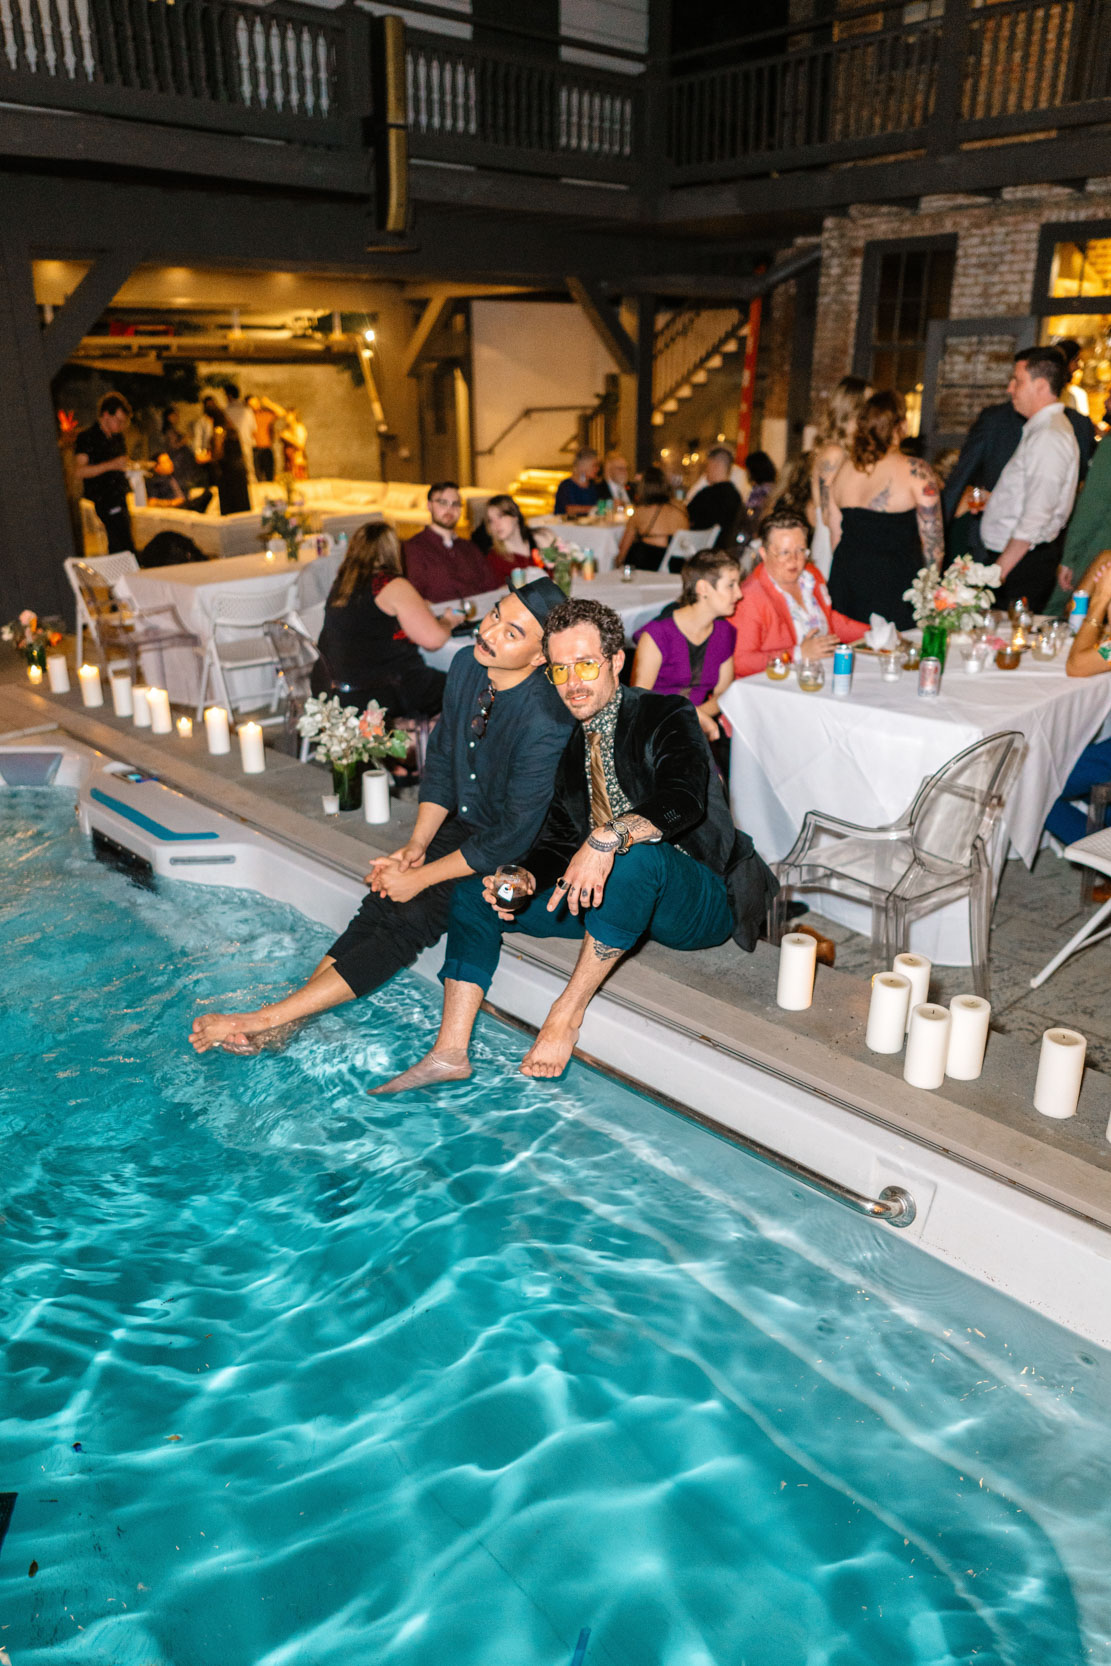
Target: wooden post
x,y
952,68
646,345
748,381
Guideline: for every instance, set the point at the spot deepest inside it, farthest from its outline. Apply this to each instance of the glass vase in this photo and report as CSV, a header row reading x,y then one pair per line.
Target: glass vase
x,y
37,656
347,784
935,643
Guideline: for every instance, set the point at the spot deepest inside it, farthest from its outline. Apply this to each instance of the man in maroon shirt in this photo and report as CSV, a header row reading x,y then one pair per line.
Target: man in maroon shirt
x,y
441,566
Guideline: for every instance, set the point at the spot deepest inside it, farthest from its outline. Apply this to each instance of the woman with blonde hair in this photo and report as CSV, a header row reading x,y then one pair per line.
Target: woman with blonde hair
x,y
884,517
375,624
831,447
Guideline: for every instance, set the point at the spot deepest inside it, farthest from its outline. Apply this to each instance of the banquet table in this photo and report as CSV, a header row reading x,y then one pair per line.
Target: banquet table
x,y
636,602
601,539
864,758
192,587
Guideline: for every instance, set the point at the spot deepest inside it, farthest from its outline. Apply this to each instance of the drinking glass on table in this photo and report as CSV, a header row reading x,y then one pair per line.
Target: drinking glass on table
x,y
811,675
891,664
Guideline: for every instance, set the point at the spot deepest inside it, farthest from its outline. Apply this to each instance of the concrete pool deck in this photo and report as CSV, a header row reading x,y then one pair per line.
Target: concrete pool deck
x,y
728,998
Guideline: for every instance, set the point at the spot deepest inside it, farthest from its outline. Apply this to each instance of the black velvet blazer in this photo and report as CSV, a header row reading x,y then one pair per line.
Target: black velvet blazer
x,y
664,766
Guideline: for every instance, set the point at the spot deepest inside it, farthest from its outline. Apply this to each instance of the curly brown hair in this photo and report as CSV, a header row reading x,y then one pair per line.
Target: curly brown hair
x,y
876,428
374,549
580,611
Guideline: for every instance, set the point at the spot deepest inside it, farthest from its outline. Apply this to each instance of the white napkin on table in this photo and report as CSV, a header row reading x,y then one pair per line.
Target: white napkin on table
x,y
881,633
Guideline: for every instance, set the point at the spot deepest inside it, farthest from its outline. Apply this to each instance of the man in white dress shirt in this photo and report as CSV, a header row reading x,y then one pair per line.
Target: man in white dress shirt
x,y
1026,515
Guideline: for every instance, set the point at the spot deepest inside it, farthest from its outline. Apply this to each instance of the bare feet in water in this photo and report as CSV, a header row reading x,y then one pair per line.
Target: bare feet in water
x,y
452,1065
551,1051
273,1040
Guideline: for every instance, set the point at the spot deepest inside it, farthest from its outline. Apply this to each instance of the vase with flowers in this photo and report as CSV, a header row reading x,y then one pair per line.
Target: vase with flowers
x,y
31,636
286,519
561,562
349,739
939,600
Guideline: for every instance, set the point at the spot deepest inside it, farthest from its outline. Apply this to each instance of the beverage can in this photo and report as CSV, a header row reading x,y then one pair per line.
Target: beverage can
x,y
929,679
627,573
842,672
1079,611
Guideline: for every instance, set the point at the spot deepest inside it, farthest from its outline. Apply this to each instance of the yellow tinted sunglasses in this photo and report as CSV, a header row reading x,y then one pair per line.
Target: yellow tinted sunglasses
x,y
586,670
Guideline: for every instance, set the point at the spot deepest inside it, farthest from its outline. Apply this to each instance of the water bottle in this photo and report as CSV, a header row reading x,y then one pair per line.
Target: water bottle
x,y
1079,610
842,684
341,545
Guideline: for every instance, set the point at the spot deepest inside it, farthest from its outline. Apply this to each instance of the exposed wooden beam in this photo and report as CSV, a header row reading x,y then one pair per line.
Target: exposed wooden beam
x,y
96,291
605,323
434,310
477,291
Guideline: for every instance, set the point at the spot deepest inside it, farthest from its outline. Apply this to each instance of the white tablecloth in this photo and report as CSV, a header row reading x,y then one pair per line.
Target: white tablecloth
x,y
864,758
598,538
192,587
636,602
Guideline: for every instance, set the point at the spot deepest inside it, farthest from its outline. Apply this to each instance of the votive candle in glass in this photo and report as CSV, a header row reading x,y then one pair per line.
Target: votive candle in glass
x,y
34,675
88,677
184,727
216,730
252,753
57,672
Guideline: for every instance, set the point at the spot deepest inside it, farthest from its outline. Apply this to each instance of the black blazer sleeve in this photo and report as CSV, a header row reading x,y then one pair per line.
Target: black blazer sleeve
x,y
967,464
680,766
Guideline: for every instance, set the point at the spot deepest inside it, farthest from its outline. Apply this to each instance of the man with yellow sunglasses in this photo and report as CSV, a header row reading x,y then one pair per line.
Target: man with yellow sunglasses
x,y
638,845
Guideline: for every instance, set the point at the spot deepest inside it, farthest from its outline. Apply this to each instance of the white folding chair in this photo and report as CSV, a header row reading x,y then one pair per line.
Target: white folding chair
x,y
682,545
108,567
1094,852
237,642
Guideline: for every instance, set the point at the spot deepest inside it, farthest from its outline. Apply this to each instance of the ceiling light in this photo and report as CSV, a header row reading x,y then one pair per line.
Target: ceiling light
x,y
368,335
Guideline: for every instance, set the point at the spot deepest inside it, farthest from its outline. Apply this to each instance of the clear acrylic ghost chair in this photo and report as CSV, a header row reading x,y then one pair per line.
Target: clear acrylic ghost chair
x,y
237,641
938,851
119,629
109,568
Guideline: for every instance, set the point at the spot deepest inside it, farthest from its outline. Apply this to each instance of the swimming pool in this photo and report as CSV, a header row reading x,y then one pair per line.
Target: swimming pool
x,y
294,1375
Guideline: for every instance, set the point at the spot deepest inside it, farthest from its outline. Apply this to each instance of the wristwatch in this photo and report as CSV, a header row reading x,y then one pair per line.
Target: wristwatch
x,y
624,834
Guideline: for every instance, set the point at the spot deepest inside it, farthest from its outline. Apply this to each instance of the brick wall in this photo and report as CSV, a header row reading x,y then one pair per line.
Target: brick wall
x,y
997,246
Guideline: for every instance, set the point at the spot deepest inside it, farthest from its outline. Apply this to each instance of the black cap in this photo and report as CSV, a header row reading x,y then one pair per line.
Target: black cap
x,y
540,596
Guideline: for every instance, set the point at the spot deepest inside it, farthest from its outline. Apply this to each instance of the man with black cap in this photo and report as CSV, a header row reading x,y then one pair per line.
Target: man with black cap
x,y
487,783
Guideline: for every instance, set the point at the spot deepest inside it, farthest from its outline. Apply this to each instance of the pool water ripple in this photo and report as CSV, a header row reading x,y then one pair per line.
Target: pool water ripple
x,y
301,1377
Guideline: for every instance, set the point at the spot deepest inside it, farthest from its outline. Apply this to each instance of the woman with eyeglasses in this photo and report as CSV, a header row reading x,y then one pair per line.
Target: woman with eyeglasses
x,y
375,624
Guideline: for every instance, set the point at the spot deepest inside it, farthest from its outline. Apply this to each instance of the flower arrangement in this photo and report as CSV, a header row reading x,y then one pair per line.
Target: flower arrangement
x,y
31,636
940,599
560,560
346,737
286,518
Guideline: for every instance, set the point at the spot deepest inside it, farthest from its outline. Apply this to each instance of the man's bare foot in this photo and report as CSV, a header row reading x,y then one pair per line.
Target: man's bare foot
x,y
551,1051
452,1065
212,1029
273,1040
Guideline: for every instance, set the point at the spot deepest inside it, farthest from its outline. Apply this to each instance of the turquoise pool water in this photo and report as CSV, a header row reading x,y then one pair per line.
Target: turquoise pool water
x,y
290,1375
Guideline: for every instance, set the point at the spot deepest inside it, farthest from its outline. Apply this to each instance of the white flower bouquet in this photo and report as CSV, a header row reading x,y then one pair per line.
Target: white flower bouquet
x,y
938,599
344,735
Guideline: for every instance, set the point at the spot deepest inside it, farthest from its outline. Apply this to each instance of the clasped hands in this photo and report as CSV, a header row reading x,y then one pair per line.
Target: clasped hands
x,y
582,886
398,876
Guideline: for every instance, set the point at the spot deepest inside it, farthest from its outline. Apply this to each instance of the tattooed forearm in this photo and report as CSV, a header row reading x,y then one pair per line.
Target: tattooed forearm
x,y
603,952
641,828
931,532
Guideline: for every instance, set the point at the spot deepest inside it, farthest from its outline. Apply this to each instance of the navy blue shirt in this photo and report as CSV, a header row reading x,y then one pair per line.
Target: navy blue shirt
x,y
498,785
569,491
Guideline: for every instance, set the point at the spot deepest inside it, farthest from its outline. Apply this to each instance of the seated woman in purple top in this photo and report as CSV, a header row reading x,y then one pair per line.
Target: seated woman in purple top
x,y
690,651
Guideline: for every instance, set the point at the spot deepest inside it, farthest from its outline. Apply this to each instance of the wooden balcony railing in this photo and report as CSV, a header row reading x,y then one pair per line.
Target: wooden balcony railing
x,y
496,110
290,72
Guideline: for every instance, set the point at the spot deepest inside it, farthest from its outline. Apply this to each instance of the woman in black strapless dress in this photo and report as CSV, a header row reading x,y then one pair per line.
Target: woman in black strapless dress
x,y
885,515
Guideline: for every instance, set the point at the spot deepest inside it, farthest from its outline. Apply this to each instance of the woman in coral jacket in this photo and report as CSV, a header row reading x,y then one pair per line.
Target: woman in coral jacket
x,y
784,606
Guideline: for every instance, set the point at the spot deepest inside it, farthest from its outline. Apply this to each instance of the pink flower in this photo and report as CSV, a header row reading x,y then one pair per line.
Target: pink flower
x,y
28,618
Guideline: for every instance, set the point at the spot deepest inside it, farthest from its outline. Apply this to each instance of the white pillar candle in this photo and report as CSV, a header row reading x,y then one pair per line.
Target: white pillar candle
x,y
161,722
252,754
140,707
969,1016
88,677
58,672
376,796
797,959
34,675
917,968
184,727
330,801
927,1046
1060,1071
887,1012
216,730
120,684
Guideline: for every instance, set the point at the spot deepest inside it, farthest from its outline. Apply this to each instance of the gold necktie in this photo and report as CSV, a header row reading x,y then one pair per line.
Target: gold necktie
x,y
601,810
